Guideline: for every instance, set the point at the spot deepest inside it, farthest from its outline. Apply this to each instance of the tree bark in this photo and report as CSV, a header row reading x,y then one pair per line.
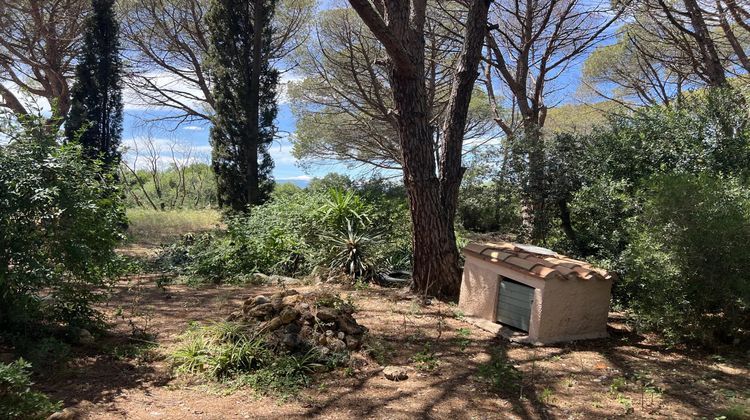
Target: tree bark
x,y
400,28
714,70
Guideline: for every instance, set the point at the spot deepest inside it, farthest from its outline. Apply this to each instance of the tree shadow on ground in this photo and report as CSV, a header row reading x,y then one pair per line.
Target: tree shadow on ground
x,y
458,382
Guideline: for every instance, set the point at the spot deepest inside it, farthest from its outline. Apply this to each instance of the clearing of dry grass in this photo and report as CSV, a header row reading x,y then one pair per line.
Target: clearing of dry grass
x,y
151,227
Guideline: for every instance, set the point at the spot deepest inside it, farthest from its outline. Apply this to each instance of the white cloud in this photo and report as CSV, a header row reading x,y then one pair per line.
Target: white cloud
x,y
282,153
296,178
192,128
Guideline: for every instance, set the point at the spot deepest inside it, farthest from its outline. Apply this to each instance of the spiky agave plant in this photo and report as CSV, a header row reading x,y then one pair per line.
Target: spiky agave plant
x,y
350,250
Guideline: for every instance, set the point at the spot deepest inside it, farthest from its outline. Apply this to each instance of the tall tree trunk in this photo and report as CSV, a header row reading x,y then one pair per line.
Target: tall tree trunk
x,y
251,151
533,212
435,257
432,200
713,68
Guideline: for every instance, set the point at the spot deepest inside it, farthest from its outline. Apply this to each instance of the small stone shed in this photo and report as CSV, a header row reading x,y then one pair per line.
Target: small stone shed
x,y
542,296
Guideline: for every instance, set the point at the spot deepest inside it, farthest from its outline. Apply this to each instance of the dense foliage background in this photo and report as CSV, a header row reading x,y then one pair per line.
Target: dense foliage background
x,y
60,219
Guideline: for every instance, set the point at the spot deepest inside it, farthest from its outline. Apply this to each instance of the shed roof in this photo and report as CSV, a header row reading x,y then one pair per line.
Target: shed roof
x,y
535,261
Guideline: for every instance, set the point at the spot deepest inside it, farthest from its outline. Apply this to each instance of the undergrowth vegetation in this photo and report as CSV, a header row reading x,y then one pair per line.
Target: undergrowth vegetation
x,y
17,400
60,220
296,231
234,354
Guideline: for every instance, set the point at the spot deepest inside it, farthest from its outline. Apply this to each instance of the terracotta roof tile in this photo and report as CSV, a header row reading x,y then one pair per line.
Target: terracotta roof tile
x,y
537,262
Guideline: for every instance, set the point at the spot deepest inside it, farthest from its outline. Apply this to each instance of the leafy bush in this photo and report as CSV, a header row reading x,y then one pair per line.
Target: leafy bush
x,y
602,210
686,268
60,221
17,400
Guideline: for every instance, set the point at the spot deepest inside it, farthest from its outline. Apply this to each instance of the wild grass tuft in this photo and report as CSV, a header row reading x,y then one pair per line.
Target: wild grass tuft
x,y
229,352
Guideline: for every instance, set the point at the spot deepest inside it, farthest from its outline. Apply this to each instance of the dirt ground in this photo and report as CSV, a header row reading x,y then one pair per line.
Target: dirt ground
x,y
627,375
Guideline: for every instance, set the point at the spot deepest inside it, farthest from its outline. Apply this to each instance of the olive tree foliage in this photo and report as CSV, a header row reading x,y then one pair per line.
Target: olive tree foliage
x,y
39,41
344,102
168,43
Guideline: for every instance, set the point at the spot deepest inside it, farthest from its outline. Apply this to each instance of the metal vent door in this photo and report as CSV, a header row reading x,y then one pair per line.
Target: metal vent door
x,y
514,304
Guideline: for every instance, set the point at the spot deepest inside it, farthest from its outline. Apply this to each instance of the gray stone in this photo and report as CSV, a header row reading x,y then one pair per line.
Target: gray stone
x,y
259,300
395,373
288,315
336,345
277,301
327,314
349,326
352,342
260,311
340,335
85,337
290,340
293,328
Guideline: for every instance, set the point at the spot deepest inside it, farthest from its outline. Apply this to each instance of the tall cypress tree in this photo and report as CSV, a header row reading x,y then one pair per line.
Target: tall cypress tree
x,y
245,94
95,117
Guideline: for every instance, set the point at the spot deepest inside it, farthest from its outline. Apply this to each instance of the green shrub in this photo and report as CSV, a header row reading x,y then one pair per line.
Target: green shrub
x,y
686,268
296,231
17,400
60,220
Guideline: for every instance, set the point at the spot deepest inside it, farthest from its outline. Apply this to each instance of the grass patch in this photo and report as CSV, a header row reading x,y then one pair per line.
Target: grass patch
x,y
231,353
500,373
158,227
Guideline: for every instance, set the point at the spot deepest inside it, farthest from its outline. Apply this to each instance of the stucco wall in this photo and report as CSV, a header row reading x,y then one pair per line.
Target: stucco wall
x,y
478,286
574,309
563,309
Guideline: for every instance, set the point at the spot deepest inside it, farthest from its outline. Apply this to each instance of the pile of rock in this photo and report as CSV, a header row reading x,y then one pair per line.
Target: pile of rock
x,y
294,321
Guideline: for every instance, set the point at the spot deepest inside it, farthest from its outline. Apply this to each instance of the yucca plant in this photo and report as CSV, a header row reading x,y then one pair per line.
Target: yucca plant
x,y
342,206
350,250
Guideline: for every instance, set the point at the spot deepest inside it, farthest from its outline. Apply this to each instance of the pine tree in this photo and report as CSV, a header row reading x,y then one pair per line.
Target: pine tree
x,y
245,95
95,118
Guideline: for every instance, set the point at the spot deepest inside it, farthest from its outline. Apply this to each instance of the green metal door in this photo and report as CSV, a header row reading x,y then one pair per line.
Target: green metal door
x,y
514,304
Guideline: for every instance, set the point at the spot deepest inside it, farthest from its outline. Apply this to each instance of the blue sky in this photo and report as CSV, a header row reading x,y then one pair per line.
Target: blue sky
x,y
196,135
286,166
